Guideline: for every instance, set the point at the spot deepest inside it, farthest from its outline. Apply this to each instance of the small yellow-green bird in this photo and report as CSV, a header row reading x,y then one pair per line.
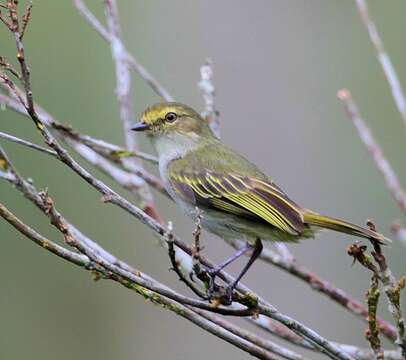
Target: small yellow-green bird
x,y
236,198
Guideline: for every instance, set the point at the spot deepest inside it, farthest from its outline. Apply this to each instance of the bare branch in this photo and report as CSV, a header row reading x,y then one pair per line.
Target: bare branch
x,y
27,143
384,59
389,175
266,344
78,141
124,97
392,288
135,65
208,90
372,333
323,286
84,261
75,258
400,232
26,19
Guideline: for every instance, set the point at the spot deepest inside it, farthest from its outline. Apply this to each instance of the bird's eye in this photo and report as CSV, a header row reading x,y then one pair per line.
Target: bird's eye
x,y
170,117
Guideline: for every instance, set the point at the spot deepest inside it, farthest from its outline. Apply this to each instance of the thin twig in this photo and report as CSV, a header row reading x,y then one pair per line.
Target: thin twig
x,y
384,59
400,232
78,141
208,90
75,258
26,19
175,265
391,179
135,65
372,333
8,67
27,143
124,97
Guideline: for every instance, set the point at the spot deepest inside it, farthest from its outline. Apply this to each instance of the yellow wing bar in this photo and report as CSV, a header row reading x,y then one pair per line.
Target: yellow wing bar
x,y
241,195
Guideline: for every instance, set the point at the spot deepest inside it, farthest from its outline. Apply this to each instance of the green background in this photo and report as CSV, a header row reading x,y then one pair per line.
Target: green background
x,y
278,67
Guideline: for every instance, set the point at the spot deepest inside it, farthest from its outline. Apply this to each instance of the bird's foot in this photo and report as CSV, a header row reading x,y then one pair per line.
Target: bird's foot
x,y
216,292
212,286
221,295
228,296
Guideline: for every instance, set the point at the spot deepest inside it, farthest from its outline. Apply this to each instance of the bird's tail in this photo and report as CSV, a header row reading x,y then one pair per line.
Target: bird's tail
x,y
342,226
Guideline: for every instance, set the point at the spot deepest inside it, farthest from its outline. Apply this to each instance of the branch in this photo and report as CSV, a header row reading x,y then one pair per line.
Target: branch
x,y
27,143
383,57
47,206
321,285
400,232
377,264
75,258
91,149
132,61
208,90
134,280
372,333
247,345
389,175
266,344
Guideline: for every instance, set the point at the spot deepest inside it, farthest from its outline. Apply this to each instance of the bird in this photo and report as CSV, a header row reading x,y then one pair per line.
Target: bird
x,y
237,200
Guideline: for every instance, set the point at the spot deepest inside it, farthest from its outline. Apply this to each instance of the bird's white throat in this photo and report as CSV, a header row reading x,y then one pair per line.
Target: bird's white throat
x,y
173,146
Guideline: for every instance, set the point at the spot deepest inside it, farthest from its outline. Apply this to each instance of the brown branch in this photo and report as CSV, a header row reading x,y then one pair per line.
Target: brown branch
x,y
8,67
26,20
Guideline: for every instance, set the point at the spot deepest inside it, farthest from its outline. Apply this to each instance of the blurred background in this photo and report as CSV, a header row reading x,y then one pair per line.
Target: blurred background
x,y
278,66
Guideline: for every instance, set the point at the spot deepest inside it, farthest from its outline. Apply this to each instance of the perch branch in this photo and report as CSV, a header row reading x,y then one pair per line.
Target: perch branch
x,y
321,285
218,329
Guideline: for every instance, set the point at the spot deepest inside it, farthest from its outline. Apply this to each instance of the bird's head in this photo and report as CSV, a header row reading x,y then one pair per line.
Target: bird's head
x,y
170,119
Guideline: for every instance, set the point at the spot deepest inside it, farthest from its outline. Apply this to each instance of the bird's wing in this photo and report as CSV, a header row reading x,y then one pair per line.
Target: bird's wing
x,y
240,195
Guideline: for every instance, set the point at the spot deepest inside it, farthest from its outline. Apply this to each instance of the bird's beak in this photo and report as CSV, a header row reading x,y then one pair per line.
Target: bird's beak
x,y
140,126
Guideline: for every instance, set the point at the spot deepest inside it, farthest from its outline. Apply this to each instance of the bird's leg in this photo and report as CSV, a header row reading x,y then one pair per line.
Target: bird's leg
x,y
257,251
214,271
